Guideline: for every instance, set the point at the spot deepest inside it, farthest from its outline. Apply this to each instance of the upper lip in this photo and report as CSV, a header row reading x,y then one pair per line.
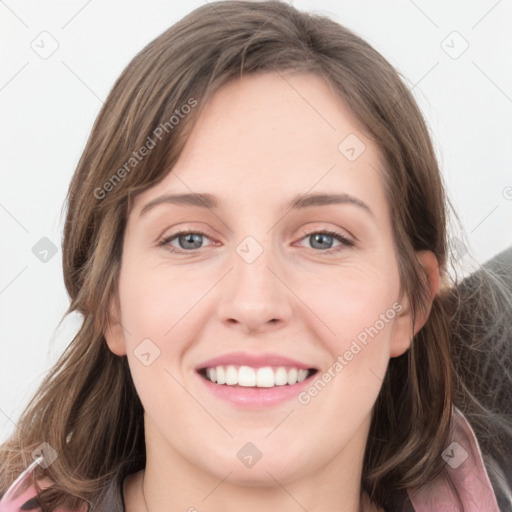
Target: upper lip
x,y
254,360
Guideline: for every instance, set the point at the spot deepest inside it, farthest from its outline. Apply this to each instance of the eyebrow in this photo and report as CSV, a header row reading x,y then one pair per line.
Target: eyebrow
x,y
298,202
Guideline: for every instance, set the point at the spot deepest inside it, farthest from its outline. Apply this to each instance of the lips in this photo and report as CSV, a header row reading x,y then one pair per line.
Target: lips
x,y
253,382
254,361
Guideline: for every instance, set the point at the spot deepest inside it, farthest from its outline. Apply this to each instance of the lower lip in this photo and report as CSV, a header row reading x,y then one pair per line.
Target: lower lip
x,y
256,398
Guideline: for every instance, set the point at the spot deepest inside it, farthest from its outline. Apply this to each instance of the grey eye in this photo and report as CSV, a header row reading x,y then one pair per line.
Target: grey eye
x,y
191,240
323,240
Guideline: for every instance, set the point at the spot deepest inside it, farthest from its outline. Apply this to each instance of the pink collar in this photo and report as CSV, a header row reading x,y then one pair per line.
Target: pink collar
x,y
464,471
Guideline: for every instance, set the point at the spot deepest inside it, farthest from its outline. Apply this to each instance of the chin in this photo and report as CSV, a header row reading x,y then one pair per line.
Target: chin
x,y
263,473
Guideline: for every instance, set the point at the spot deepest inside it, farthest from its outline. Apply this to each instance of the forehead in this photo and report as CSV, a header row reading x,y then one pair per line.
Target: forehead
x,y
268,137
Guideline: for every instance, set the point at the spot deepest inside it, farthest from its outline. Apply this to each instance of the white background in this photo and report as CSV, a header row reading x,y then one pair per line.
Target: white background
x,y
48,107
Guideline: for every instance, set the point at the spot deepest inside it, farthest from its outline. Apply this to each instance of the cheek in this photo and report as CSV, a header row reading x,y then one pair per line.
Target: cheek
x,y
151,312
147,314
153,301
159,311
357,307
353,298
359,349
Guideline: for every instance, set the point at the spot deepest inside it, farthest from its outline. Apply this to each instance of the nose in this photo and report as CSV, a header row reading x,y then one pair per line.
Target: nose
x,y
255,297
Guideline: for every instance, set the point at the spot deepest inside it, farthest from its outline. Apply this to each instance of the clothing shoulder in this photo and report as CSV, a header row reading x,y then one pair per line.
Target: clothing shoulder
x,y
22,494
464,484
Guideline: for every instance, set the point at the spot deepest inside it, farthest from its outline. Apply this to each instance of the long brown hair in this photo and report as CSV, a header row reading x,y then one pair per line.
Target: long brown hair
x,y
87,408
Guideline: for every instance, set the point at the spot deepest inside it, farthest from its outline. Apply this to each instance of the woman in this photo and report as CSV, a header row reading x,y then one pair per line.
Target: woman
x,y
261,369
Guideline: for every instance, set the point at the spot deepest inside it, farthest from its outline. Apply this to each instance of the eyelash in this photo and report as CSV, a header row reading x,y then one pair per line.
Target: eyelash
x,y
344,240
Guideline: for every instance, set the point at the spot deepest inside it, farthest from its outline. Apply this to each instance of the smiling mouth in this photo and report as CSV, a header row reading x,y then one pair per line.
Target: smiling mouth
x,y
249,377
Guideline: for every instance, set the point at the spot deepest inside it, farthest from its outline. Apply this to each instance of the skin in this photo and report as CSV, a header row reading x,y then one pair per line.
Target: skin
x,y
259,142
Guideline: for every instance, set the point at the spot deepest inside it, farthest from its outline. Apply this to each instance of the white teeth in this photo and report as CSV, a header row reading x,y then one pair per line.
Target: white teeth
x,y
211,373
281,376
292,376
266,377
246,376
231,376
221,375
302,375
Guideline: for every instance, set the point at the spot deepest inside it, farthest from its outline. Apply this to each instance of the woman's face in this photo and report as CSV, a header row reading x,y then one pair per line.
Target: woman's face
x,y
255,277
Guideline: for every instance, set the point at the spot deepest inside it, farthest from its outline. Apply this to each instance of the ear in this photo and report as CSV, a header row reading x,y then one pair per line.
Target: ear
x,y
114,331
401,340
